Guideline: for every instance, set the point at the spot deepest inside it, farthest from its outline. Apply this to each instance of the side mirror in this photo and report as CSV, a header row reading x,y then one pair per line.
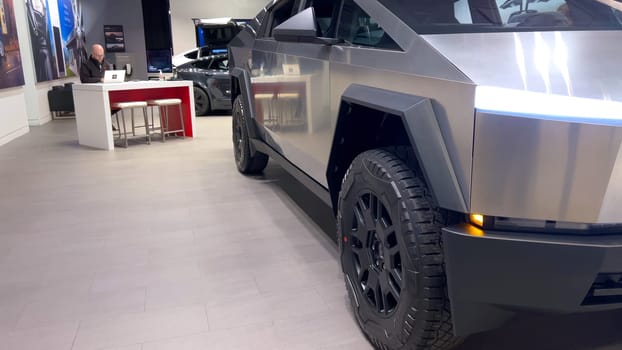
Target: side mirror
x,y
301,28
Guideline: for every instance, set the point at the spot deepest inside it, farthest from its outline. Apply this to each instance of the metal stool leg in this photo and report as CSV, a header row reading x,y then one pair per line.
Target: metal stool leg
x,y
133,125
152,119
124,127
146,116
116,115
181,117
164,117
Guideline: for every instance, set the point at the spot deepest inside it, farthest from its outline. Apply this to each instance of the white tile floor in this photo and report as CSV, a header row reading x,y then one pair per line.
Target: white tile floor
x,y
168,247
162,246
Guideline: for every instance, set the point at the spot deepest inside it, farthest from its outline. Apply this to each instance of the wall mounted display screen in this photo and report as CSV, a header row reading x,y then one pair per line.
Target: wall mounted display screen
x,y
115,39
11,71
57,37
159,60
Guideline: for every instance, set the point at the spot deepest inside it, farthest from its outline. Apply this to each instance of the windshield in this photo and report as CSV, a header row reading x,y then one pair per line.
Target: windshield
x,y
464,16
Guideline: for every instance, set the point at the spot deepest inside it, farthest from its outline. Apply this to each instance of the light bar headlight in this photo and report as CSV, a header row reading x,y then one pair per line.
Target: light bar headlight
x,y
499,223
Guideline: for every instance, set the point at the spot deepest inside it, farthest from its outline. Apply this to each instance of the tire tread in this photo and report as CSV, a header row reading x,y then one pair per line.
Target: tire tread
x,y
251,163
429,325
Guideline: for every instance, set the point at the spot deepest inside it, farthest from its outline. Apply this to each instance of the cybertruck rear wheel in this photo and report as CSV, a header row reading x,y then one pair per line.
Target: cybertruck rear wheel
x,y
246,162
389,237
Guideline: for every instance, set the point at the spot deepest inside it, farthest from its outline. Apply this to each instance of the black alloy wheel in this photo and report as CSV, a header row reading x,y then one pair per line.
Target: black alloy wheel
x,y
389,234
246,162
375,254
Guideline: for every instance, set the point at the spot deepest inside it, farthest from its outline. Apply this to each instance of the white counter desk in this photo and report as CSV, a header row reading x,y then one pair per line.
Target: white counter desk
x,y
92,106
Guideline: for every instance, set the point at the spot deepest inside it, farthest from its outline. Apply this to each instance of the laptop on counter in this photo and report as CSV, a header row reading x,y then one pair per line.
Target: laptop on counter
x,y
114,76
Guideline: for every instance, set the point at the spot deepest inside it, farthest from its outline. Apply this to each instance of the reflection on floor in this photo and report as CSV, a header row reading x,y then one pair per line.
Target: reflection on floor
x,y
166,246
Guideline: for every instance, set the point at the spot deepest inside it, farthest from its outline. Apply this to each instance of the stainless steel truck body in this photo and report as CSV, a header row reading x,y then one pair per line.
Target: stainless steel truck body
x,y
470,149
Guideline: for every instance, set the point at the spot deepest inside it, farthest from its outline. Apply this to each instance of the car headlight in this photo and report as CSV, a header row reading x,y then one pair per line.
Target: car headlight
x,y
499,223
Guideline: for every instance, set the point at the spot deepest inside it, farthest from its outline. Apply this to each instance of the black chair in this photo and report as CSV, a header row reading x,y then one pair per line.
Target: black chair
x,y
60,101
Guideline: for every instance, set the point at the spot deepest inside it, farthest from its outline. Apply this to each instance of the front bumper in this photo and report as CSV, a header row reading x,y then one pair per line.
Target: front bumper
x,y
491,275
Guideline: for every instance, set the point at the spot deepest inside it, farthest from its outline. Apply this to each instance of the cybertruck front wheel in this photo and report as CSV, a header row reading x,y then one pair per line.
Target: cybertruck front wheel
x,y
389,237
246,162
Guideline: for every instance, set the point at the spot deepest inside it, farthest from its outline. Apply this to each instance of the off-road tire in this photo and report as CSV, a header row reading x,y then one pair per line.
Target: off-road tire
x,y
246,163
389,233
201,101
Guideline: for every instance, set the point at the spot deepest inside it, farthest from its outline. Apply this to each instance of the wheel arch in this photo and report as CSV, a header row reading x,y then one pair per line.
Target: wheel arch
x,y
201,86
381,118
241,85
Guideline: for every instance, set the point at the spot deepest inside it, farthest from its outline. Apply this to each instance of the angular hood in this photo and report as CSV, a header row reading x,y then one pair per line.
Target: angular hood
x,y
548,124
583,64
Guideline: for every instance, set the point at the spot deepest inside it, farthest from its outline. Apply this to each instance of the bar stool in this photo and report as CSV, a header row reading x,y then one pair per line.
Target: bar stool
x,y
163,106
266,101
289,107
121,107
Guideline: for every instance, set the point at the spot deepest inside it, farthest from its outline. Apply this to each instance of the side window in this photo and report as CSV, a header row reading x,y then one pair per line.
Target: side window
x,y
549,13
205,51
202,64
358,28
280,13
220,63
325,15
191,54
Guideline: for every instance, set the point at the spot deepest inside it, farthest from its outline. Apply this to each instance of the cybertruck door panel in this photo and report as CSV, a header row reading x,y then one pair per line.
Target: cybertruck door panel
x,y
290,86
220,87
260,61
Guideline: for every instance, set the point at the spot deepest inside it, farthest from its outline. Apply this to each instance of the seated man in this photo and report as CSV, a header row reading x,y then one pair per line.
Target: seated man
x,y
92,70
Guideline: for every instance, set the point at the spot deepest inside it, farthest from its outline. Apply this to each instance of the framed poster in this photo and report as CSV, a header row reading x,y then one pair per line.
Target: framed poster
x,y
11,71
57,37
114,37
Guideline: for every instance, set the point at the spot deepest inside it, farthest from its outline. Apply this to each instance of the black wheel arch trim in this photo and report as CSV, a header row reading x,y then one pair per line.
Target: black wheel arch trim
x,y
424,134
244,82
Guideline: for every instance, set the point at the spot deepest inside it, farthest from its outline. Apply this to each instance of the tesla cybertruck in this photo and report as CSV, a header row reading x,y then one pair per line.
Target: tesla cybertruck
x,y
470,150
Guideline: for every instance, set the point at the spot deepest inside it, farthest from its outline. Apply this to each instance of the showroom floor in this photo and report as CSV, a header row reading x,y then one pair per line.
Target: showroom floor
x,y
166,246
162,246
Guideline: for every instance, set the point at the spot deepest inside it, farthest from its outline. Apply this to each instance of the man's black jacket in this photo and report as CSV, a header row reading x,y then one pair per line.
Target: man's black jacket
x,y
92,71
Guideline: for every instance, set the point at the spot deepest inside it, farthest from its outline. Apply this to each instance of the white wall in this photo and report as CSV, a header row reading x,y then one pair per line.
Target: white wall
x,y
127,13
183,11
14,117
13,120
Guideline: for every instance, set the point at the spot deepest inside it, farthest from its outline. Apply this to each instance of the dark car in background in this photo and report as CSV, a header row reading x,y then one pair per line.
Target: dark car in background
x,y
212,86
198,52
